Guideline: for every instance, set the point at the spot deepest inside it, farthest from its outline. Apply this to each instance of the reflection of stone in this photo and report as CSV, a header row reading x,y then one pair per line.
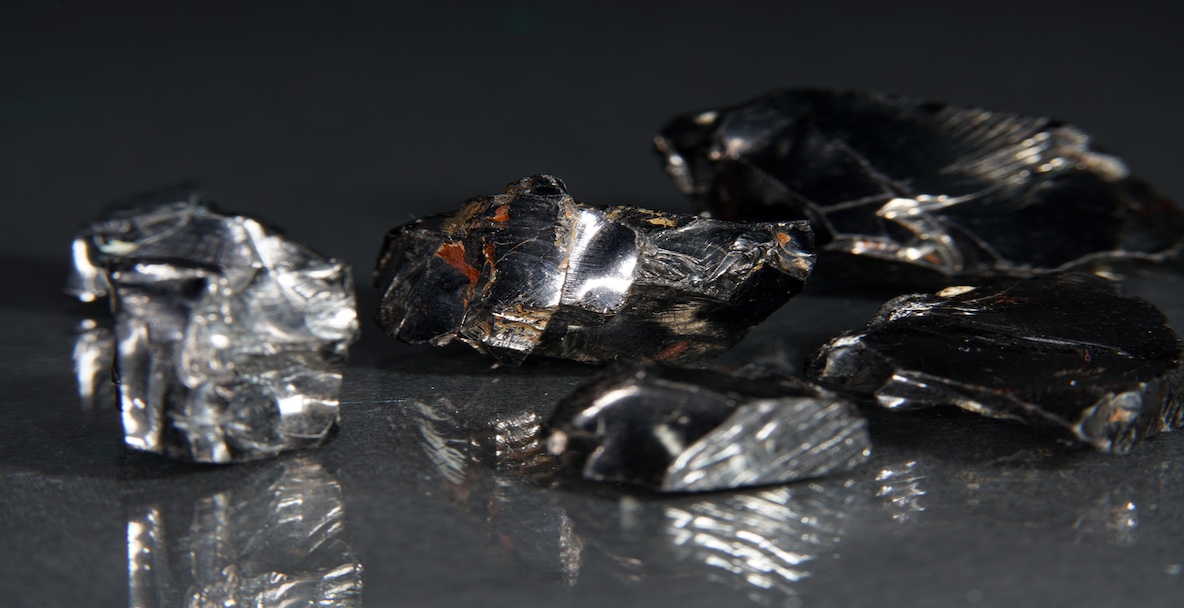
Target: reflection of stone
x,y
761,542
226,331
93,351
535,530
899,486
1104,507
275,541
1114,516
494,469
445,447
519,447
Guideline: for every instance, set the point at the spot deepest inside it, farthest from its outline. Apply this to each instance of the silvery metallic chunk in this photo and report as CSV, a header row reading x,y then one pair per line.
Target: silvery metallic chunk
x,y
955,191
532,271
693,430
1065,352
226,332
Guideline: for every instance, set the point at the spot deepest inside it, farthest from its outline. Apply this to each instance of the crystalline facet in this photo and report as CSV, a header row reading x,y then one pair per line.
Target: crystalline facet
x,y
955,191
1061,351
533,271
691,430
226,332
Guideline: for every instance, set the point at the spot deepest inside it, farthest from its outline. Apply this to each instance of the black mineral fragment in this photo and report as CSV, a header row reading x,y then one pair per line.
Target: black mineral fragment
x,y
940,190
1067,352
532,271
690,430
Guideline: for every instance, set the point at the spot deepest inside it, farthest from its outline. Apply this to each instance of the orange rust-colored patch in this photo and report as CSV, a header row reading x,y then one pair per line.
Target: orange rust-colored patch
x,y
782,238
454,254
501,214
674,351
490,258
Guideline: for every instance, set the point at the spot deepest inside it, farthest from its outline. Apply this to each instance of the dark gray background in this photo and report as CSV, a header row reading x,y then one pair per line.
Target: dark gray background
x,y
337,121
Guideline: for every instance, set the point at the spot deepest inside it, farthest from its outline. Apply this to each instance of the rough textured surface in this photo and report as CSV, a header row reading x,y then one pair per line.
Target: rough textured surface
x,y
534,272
226,332
956,191
270,542
684,430
1065,351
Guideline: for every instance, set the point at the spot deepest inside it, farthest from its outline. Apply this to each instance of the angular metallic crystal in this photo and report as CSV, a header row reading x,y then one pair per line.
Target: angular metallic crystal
x,y
226,332
533,271
1060,351
693,430
956,191
276,540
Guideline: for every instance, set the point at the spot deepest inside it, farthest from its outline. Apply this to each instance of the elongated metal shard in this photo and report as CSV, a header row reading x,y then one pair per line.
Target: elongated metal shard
x,y
684,430
532,271
953,191
1065,352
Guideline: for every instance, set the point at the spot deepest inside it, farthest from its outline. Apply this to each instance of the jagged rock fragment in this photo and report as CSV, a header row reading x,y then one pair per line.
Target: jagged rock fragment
x,y
691,430
532,271
956,191
1060,351
226,332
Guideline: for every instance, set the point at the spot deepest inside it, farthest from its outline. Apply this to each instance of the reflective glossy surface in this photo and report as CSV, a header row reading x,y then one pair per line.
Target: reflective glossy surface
x,y
226,333
955,191
1062,351
696,430
275,539
449,497
534,272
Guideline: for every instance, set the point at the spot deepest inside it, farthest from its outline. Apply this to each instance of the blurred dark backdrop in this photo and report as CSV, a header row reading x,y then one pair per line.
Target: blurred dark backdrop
x,y
305,112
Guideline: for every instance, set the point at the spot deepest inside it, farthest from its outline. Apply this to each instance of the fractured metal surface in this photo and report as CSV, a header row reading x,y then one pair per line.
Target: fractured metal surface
x,y
1061,351
956,191
532,271
227,333
681,430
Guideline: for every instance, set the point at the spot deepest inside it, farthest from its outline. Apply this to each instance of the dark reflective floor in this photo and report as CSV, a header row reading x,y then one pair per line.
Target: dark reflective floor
x,y
437,492
338,122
